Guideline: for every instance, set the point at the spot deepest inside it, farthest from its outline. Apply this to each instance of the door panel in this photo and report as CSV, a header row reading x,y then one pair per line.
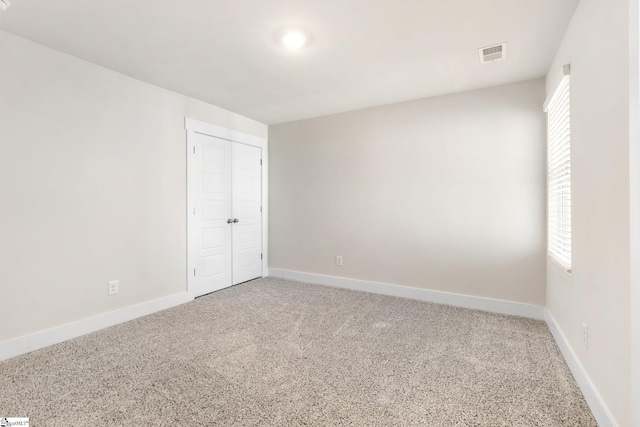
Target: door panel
x,y
247,201
210,236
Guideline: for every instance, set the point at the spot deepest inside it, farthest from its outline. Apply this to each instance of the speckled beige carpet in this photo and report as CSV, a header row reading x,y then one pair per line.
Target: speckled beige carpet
x,y
276,352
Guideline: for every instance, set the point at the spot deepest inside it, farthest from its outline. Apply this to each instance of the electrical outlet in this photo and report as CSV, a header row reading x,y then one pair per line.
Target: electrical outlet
x,y
585,334
338,260
114,287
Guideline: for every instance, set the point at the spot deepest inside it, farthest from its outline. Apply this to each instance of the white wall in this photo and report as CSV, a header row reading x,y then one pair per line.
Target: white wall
x,y
634,172
444,193
598,289
92,185
634,163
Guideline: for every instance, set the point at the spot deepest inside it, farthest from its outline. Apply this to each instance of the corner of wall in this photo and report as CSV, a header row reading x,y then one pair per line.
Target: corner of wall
x,y
592,396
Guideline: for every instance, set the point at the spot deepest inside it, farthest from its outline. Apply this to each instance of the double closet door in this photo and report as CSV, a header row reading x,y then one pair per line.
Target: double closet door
x,y
225,198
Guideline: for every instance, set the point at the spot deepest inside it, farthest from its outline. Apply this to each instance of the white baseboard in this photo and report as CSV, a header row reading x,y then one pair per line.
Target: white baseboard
x,y
38,340
599,409
458,300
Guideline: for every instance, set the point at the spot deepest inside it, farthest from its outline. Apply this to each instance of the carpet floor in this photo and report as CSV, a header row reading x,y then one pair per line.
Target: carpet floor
x,y
276,352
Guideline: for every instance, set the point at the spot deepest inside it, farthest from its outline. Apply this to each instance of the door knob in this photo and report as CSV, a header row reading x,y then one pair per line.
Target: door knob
x,y
229,221
236,220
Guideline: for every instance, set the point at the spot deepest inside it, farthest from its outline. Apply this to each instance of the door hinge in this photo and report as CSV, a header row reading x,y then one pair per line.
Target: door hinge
x,y
194,272
194,149
194,210
260,162
260,256
260,208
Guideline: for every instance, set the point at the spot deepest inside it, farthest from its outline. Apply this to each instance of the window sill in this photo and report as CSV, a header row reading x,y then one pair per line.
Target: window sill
x,y
559,264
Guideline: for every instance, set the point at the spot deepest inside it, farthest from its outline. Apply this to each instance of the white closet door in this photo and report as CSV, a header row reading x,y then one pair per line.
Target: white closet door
x,y
247,201
210,236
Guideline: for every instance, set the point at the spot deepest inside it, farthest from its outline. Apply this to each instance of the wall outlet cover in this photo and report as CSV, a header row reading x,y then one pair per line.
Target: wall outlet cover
x,y
114,287
585,334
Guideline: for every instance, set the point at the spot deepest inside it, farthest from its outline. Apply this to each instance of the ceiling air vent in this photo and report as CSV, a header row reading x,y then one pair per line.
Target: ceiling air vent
x,y
493,53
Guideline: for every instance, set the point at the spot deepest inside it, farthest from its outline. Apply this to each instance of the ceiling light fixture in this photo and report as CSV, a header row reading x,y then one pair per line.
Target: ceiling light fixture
x,y
293,39
4,5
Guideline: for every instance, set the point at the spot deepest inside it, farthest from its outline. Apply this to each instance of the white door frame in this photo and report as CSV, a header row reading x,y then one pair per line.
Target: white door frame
x,y
196,126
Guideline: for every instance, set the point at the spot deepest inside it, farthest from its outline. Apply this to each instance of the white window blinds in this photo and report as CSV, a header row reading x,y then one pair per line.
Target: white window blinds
x,y
559,172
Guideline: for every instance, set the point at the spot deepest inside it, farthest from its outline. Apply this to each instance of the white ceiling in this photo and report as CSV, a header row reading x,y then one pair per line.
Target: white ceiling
x,y
364,52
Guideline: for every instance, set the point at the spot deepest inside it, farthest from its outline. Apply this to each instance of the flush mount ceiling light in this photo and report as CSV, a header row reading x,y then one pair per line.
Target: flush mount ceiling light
x,y
4,5
293,38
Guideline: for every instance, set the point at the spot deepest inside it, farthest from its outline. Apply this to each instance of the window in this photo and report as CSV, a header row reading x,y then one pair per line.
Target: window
x,y
559,172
